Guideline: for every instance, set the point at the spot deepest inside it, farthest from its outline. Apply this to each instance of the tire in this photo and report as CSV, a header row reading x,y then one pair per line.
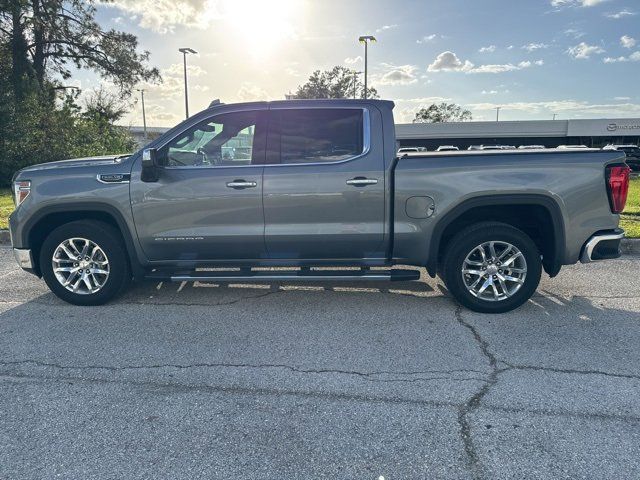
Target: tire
x,y
109,256
508,283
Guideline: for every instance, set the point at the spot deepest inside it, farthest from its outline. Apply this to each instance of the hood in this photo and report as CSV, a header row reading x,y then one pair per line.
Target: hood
x,y
78,162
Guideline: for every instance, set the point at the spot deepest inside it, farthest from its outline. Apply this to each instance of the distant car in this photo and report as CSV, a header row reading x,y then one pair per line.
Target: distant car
x,y
475,147
531,147
497,147
631,151
411,150
572,147
447,148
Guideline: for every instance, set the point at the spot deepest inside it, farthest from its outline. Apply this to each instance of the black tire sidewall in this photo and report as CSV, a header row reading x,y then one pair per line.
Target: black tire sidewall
x,y
108,240
470,238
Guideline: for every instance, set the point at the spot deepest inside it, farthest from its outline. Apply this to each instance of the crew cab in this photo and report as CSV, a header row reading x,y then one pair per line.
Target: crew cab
x,y
315,183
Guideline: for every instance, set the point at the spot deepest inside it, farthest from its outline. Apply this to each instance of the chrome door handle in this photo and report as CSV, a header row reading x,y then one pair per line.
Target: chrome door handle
x,y
238,184
362,182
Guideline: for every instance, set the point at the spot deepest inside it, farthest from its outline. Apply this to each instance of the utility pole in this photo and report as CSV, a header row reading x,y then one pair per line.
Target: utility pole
x,y
184,52
144,116
498,113
366,39
555,115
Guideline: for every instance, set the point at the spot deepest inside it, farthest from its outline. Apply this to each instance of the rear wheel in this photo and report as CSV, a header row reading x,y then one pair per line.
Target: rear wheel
x,y
492,267
85,262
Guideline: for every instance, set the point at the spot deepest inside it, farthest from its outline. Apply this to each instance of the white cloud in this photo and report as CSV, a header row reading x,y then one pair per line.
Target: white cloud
x,y
634,57
489,49
622,99
584,50
353,60
574,32
249,92
387,27
628,42
449,62
163,15
532,47
620,14
576,3
489,92
399,75
173,81
427,38
568,107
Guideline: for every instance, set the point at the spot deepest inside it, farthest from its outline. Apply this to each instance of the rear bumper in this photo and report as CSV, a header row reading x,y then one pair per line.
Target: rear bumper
x,y
602,246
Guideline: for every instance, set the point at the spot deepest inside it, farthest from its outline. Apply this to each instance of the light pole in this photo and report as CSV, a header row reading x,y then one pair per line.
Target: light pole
x,y
355,83
184,52
366,39
144,117
498,113
555,115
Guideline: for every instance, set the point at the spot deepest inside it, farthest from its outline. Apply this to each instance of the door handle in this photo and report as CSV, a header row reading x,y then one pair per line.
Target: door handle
x,y
240,184
362,181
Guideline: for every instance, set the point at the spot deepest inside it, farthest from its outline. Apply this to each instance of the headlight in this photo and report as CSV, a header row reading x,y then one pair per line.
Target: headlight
x,y
21,190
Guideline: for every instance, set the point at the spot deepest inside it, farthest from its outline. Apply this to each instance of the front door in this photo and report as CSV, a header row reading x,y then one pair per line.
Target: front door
x,y
207,203
324,186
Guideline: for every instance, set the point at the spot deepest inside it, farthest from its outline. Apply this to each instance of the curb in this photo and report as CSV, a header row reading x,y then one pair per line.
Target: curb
x,y
629,246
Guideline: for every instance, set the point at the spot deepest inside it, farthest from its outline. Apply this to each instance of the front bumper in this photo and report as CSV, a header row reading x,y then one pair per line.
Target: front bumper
x,y
602,246
24,258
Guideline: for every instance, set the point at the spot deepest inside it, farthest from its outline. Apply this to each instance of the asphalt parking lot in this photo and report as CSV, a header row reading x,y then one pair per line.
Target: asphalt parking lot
x,y
321,381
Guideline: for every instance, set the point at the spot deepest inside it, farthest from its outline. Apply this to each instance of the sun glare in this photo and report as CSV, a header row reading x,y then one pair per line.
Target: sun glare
x,y
263,25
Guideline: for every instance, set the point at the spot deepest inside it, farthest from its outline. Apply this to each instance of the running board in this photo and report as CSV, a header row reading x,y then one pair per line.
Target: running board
x,y
290,276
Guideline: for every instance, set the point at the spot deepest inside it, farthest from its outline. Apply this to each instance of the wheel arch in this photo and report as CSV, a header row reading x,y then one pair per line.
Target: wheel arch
x,y
529,212
48,218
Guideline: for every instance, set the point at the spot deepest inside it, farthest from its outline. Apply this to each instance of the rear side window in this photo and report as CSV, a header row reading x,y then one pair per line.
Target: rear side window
x,y
315,135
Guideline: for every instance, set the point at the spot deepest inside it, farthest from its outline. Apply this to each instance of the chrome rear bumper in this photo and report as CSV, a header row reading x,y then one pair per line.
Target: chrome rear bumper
x,y
602,246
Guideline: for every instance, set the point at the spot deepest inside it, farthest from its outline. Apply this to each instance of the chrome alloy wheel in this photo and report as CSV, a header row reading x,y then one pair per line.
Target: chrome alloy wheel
x,y
80,266
494,271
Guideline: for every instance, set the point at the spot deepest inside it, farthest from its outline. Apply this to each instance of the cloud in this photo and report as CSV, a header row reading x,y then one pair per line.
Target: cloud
x,y
489,49
249,92
574,32
427,38
353,60
628,42
399,75
449,62
489,92
620,14
634,57
163,15
584,51
173,81
532,47
575,3
621,99
387,27
569,107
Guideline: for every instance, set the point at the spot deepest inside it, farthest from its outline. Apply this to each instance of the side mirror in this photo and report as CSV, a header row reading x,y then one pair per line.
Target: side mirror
x,y
150,171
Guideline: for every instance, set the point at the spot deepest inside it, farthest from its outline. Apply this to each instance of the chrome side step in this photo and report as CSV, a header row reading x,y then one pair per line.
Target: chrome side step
x,y
303,275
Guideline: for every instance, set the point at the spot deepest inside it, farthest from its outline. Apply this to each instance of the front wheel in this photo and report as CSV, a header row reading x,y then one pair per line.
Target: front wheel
x,y
85,262
492,267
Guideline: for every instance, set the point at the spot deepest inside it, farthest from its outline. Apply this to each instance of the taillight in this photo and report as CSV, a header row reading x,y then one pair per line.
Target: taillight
x,y
618,186
21,191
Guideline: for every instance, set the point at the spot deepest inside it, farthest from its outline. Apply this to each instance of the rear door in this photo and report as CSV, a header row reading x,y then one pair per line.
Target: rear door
x,y
207,203
323,185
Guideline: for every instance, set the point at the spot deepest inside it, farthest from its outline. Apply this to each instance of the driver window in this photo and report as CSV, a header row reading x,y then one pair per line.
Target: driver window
x,y
229,139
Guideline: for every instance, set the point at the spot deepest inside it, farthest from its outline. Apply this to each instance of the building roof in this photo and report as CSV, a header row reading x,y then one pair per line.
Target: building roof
x,y
531,128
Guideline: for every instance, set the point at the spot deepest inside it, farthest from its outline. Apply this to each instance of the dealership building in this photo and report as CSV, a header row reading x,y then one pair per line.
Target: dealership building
x,y
593,133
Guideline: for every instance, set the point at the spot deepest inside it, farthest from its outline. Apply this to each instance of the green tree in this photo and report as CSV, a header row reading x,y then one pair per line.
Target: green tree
x,y
441,113
335,83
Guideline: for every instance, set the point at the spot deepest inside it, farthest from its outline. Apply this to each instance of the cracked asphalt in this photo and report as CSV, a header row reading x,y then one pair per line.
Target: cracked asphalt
x,y
332,381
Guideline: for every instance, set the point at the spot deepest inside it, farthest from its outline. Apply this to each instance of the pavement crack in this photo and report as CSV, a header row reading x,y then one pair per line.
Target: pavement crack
x,y
570,371
373,376
473,460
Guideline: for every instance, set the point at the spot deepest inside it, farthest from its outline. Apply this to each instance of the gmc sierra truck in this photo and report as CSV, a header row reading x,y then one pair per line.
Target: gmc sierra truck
x,y
315,186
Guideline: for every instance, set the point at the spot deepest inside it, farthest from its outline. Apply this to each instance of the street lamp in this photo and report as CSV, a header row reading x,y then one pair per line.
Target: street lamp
x,y
366,39
355,83
498,113
184,52
144,117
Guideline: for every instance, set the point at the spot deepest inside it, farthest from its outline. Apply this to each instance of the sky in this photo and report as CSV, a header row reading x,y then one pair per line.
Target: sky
x,y
532,58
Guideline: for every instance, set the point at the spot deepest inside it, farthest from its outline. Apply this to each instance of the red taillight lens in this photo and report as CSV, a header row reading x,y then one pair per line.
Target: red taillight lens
x,y
618,186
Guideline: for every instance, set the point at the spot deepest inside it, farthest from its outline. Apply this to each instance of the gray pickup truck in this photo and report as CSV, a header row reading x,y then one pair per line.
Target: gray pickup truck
x,y
315,186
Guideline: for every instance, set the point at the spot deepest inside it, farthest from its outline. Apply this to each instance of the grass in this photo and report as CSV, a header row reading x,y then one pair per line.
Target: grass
x,y
630,219
6,207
